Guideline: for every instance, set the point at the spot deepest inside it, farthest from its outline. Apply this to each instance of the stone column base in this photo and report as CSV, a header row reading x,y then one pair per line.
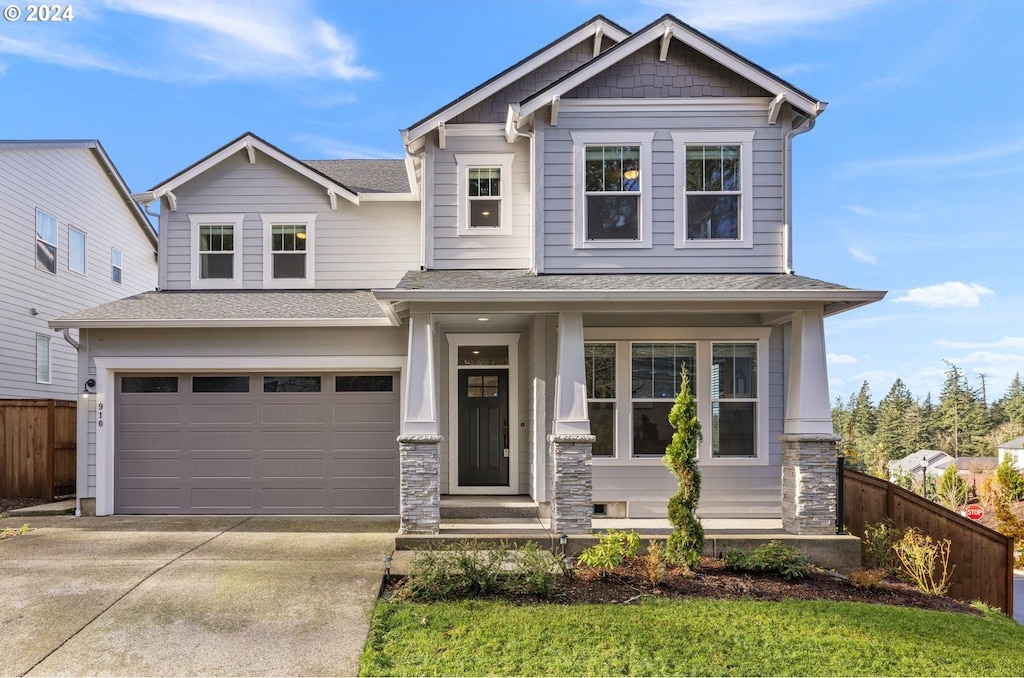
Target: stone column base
x,y
420,487
572,498
809,491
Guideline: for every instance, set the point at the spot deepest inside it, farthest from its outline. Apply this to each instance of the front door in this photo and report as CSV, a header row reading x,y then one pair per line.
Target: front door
x,y
483,427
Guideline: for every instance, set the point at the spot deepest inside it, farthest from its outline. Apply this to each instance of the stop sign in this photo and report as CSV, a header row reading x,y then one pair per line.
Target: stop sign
x,y
974,512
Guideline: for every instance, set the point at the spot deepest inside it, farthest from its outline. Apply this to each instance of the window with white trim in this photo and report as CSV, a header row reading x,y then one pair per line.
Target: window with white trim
x,y
714,178
216,242
288,250
484,182
76,250
632,386
46,242
116,265
612,196
44,373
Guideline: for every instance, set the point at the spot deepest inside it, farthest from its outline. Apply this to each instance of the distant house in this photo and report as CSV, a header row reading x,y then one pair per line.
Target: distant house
x,y
1014,449
932,462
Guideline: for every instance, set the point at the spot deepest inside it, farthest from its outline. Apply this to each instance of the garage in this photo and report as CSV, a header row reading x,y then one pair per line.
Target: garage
x,y
257,443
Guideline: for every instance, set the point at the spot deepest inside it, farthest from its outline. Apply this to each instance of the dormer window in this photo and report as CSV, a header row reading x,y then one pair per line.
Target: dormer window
x,y
714,178
288,247
216,251
613,192
484,183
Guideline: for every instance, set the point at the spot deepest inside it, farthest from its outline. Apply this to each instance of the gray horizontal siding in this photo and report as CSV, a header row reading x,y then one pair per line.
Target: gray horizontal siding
x,y
356,246
767,192
71,185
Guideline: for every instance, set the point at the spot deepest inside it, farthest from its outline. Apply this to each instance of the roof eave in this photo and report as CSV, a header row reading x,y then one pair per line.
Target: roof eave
x,y
837,301
204,323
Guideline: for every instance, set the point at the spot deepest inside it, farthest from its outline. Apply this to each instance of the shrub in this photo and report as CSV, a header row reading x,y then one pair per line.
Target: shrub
x,y
472,568
1010,480
8,532
867,579
686,543
877,546
654,560
952,489
925,561
534,570
773,556
611,549
734,559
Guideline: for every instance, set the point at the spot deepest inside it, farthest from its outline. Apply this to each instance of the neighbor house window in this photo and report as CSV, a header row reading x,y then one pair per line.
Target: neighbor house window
x,y
613,192
76,250
714,204
46,242
116,265
484,180
600,364
288,250
216,250
656,376
43,362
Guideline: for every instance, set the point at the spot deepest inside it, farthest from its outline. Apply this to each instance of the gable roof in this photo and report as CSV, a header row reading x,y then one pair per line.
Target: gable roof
x,y
665,28
366,176
250,143
100,154
597,26
1015,444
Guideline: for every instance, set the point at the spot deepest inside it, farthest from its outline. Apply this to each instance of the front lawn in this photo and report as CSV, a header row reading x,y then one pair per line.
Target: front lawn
x,y
687,637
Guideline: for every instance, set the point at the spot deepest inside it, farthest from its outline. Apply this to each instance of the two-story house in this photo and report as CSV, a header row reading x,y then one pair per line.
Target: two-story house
x,y
72,238
513,304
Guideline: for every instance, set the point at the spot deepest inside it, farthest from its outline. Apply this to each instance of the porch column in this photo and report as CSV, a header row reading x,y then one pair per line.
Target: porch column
x,y
809,492
420,441
571,444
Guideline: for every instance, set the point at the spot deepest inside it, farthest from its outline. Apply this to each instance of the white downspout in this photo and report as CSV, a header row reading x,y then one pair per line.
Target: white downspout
x,y
787,218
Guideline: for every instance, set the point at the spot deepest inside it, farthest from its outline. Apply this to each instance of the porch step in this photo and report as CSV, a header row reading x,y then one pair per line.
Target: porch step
x,y
472,506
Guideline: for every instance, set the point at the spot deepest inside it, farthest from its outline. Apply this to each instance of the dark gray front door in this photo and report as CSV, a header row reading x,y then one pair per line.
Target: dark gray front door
x,y
483,427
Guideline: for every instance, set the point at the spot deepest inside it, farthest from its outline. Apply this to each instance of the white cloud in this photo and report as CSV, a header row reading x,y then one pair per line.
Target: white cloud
x,y
946,295
860,255
958,159
756,19
1005,342
840,359
326,147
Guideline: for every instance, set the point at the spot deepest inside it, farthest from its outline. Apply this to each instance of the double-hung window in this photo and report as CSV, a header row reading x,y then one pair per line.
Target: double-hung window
x,y
714,176
656,377
76,250
612,192
733,400
216,250
116,265
484,180
288,247
600,368
46,242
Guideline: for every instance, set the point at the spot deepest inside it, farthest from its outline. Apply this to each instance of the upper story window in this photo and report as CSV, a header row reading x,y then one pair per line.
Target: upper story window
x,y
46,242
116,265
288,247
216,250
714,177
484,180
76,250
612,196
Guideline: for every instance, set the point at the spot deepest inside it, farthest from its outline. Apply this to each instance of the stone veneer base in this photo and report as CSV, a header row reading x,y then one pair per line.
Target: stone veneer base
x,y
809,484
420,484
572,500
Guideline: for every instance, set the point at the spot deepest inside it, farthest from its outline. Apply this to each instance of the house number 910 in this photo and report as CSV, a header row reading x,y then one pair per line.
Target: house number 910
x,y
99,415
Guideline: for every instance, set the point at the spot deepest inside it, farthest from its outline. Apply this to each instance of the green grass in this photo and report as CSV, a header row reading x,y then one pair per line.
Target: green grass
x,y
692,637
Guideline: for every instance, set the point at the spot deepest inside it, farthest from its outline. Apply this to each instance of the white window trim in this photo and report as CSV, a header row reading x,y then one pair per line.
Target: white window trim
x,y
704,338
467,161
49,359
744,138
55,244
580,140
116,254
85,250
197,220
309,221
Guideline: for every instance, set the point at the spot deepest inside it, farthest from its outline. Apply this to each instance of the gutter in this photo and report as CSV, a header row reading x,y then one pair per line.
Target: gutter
x,y
787,204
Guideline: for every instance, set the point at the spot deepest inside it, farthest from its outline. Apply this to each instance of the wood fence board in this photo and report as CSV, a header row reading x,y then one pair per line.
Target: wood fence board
x,y
38,441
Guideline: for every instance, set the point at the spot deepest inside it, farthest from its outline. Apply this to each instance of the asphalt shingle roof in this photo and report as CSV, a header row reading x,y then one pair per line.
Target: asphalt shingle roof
x,y
365,176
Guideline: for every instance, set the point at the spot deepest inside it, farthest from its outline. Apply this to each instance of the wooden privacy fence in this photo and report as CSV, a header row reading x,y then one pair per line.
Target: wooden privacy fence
x,y
37,448
983,557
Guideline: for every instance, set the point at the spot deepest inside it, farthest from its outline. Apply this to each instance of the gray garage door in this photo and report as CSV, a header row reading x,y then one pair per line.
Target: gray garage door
x,y
256,444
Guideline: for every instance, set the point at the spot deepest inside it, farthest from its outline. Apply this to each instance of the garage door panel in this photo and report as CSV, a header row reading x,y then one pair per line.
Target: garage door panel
x,y
247,453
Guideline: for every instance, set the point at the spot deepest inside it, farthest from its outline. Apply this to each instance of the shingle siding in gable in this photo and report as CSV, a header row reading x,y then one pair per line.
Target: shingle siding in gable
x,y
686,73
494,109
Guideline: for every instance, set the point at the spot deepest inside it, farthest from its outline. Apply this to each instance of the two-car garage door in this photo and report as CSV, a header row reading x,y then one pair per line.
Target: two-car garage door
x,y
256,444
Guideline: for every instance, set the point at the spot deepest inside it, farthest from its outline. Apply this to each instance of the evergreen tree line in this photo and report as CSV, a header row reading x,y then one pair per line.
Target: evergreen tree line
x,y
961,424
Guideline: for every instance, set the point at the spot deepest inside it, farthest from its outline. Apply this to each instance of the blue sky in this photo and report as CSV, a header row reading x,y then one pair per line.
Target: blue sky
x,y
911,181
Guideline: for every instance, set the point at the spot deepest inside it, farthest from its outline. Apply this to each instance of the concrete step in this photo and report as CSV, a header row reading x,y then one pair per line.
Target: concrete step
x,y
56,508
461,507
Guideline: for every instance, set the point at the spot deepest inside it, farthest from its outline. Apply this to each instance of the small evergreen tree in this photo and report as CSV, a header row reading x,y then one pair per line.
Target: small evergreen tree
x,y
686,543
1009,480
952,490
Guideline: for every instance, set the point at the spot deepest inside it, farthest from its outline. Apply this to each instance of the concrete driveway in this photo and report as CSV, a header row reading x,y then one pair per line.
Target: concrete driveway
x,y
161,596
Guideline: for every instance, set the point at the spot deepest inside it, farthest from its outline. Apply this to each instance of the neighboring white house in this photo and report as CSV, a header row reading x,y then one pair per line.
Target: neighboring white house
x,y
73,237
917,464
1014,449
513,303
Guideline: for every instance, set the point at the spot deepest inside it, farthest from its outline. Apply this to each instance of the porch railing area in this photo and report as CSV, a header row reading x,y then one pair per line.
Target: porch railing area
x,y
983,558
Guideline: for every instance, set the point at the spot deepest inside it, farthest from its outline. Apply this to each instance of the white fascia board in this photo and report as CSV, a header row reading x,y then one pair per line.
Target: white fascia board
x,y
247,143
704,105
413,134
656,32
166,323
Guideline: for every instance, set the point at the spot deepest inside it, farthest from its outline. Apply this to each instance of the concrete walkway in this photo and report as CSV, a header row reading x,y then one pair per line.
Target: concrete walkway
x,y
189,596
